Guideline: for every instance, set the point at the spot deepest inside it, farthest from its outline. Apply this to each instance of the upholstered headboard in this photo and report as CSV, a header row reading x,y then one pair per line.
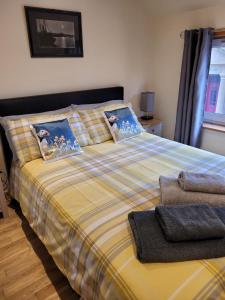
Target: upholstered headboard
x,y
41,103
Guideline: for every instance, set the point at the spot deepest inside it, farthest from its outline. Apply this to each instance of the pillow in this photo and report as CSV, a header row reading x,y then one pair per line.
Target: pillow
x,y
96,105
23,143
93,120
21,140
77,126
79,130
56,139
122,123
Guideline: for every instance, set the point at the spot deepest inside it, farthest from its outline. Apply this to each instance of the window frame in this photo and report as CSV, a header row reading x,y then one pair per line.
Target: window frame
x,y
214,118
209,117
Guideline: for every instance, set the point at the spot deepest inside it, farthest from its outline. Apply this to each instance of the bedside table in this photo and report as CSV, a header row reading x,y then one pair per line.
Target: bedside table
x,y
3,202
153,126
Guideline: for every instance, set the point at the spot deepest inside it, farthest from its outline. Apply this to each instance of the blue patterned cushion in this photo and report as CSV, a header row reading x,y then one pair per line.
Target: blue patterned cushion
x,y
122,123
56,139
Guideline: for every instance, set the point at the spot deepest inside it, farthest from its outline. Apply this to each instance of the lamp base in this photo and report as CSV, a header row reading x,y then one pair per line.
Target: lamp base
x,y
147,117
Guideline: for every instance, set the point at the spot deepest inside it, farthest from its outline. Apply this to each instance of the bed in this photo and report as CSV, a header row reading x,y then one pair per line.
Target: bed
x,y
78,207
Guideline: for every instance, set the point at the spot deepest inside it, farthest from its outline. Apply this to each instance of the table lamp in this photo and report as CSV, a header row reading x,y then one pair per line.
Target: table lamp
x,y
147,105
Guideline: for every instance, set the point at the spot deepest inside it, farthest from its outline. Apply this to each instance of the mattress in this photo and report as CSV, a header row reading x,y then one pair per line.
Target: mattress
x,y
78,207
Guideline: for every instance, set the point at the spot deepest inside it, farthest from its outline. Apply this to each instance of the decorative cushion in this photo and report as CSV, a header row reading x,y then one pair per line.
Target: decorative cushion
x,y
122,123
56,139
21,140
93,120
23,143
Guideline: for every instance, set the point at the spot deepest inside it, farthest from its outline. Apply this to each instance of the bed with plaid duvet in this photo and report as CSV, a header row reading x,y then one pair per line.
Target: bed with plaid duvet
x,y
78,207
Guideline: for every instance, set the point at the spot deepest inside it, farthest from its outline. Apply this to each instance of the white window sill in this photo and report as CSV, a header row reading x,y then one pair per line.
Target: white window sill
x,y
214,127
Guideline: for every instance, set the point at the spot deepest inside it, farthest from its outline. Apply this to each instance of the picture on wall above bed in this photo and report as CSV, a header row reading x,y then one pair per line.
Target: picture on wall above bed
x,y
54,33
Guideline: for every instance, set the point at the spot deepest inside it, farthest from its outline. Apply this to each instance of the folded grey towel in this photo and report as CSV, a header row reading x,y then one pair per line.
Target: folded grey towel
x,y
151,245
171,193
205,183
189,222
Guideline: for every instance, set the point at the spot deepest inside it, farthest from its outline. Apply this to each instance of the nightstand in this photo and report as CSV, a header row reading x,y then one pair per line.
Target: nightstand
x,y
153,126
3,202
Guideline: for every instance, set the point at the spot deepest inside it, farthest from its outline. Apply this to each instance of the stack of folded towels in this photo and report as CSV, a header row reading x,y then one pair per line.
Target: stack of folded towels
x,y
193,188
180,232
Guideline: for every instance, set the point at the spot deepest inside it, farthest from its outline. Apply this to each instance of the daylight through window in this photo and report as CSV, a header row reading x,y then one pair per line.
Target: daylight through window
x,y
215,94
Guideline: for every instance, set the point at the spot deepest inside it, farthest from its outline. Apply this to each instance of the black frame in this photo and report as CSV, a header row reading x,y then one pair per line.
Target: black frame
x,y
33,13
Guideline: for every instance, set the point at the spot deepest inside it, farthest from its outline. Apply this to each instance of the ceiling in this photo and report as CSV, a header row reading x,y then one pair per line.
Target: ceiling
x,y
162,7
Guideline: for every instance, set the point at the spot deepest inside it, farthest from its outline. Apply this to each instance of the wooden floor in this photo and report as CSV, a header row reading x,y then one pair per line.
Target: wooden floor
x,y
26,269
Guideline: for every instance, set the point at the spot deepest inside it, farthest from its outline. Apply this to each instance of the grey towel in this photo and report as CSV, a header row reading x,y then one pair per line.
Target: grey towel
x,y
205,183
151,246
189,222
171,193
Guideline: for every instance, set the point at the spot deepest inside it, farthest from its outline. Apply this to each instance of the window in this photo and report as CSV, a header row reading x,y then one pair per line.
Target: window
x,y
215,94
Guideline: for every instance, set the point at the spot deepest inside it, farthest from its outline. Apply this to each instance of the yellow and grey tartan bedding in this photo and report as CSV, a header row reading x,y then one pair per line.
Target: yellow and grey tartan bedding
x,y
79,129
23,143
94,121
21,140
79,206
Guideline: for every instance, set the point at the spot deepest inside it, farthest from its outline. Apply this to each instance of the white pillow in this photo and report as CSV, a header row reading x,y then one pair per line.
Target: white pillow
x,y
97,105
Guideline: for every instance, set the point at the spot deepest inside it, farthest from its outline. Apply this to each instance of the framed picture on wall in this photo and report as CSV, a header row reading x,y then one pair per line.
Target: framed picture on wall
x,y
54,33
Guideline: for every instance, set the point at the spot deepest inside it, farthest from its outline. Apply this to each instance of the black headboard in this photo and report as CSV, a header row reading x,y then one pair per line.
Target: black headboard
x,y
41,103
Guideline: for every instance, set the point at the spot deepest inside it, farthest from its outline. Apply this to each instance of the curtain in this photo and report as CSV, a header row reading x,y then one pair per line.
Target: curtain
x,y
193,83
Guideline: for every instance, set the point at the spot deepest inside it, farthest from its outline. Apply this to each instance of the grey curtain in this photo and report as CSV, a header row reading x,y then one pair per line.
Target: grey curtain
x,y
193,83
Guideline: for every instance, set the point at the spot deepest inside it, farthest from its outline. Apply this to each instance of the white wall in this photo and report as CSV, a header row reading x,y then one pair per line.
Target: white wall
x,y
213,141
168,49
117,50
116,36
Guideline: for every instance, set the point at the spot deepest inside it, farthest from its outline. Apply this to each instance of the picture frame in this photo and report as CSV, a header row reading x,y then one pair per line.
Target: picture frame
x,y
54,33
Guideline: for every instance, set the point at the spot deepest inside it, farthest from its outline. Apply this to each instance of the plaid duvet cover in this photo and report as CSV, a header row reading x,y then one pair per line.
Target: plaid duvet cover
x,y
78,206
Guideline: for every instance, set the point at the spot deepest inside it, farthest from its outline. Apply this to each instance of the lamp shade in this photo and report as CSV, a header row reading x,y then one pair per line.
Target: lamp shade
x,y
147,101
